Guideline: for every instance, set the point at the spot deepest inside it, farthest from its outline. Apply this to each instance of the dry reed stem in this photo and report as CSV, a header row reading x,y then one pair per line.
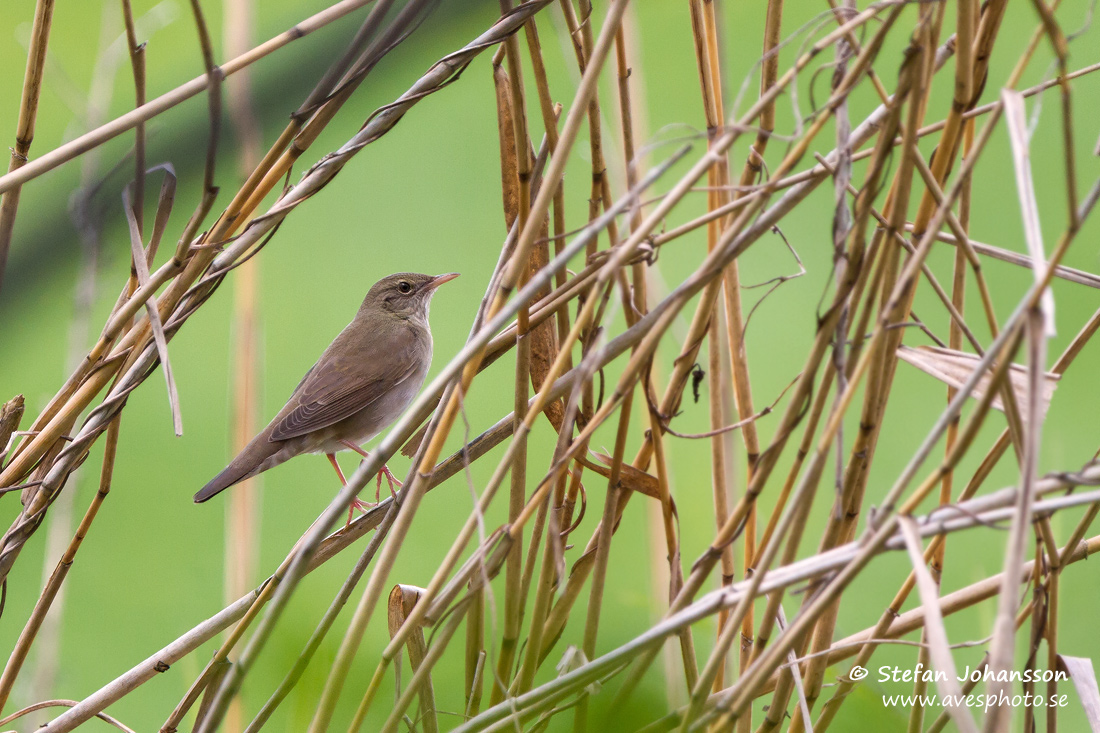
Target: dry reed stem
x,y
63,703
28,115
136,52
516,186
11,414
710,75
402,599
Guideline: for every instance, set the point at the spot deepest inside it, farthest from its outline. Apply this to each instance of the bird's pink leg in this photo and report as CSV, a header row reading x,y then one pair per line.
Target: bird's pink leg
x,y
355,503
332,460
390,478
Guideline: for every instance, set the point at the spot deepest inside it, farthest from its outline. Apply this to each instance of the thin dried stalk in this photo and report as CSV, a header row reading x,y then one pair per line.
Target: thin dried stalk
x,y
137,67
516,184
28,115
704,35
1001,650
402,600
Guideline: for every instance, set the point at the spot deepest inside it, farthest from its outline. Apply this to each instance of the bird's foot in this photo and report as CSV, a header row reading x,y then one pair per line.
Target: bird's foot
x,y
390,479
362,506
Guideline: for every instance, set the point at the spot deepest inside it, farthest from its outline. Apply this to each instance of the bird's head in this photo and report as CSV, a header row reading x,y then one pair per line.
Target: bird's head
x,y
406,294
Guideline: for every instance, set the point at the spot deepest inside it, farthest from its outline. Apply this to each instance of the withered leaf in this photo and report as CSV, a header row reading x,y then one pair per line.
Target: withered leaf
x,y
955,367
629,476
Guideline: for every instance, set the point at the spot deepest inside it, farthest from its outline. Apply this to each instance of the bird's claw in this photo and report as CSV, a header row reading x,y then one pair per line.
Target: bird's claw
x,y
390,479
359,504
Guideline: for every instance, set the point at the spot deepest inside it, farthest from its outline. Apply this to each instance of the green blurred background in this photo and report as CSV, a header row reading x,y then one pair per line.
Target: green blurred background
x,y
427,198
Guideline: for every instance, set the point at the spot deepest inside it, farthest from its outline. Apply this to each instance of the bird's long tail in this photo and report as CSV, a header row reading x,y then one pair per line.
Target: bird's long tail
x,y
258,456
230,475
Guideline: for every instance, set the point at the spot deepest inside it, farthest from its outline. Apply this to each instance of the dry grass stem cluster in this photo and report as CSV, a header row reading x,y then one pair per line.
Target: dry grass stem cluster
x,y
579,306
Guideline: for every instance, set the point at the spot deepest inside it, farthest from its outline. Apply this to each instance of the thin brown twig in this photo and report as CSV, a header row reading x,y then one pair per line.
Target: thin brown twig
x,y
28,115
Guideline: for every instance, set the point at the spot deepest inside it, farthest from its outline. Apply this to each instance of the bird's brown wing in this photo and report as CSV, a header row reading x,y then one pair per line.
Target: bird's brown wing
x,y
337,388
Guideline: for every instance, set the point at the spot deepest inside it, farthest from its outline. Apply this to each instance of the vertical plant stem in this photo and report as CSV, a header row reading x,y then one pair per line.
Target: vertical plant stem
x,y
28,115
516,213
599,572
242,521
137,66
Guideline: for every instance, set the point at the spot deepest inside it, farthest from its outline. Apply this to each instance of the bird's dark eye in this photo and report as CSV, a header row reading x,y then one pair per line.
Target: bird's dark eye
x,y
404,287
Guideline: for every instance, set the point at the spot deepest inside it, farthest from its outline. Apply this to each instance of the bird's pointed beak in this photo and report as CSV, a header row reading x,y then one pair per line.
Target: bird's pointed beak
x,y
438,280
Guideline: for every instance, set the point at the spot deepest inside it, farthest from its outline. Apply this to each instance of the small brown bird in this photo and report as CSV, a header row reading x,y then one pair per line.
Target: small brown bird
x,y
363,382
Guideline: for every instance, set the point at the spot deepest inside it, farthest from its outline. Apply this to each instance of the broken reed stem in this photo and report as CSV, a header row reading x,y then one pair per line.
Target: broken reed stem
x,y
966,24
769,73
599,573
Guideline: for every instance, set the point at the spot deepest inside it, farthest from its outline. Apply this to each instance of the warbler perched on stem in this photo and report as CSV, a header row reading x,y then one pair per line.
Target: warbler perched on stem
x,y
363,382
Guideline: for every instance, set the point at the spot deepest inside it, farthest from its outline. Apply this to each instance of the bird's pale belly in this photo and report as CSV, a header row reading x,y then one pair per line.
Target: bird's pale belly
x,y
365,424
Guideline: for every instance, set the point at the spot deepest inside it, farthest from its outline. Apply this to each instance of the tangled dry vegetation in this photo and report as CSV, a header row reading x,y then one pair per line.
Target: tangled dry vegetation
x,y
548,307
